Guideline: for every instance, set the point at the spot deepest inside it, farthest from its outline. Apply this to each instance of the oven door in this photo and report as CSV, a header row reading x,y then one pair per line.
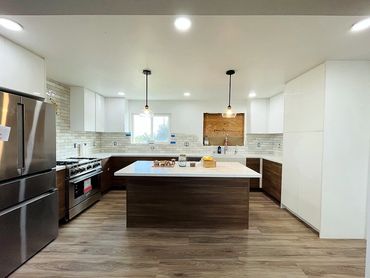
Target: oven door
x,y
81,188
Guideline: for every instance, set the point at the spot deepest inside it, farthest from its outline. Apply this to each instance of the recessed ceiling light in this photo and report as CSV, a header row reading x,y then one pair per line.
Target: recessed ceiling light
x,y
187,94
182,23
252,94
121,93
361,25
10,24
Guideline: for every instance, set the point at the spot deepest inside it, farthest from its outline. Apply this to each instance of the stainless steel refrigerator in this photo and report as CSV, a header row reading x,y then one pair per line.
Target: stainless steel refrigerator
x,y
28,197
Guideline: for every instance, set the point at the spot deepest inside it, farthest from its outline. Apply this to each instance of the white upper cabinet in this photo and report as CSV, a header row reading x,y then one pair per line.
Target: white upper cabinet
x,y
21,70
99,113
83,109
116,116
90,111
266,115
276,114
258,116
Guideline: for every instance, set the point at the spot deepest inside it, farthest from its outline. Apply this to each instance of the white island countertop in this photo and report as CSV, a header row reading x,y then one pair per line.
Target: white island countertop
x,y
223,170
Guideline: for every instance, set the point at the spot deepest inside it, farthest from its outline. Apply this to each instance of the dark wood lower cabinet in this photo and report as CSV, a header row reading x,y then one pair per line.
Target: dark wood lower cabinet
x,y
60,181
271,179
254,164
106,179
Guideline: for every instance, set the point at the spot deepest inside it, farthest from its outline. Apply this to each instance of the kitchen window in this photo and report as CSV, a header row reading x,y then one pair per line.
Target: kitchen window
x,y
154,129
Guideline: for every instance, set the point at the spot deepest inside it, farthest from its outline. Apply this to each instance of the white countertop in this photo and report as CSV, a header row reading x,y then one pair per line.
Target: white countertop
x,y
223,170
221,157
59,167
274,158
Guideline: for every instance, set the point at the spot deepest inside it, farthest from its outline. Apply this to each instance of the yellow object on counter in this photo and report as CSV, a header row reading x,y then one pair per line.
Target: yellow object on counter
x,y
208,162
207,158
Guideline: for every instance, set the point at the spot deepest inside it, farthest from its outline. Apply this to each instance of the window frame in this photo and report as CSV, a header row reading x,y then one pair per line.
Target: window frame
x,y
151,128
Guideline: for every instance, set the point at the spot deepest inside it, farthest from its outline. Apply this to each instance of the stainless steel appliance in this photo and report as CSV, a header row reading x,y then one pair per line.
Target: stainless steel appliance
x,y
82,184
28,198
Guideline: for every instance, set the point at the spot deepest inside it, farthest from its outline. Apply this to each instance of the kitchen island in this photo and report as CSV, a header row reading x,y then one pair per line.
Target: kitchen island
x,y
187,197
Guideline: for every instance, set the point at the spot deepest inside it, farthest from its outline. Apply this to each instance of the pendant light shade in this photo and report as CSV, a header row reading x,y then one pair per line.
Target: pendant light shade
x,y
229,112
146,111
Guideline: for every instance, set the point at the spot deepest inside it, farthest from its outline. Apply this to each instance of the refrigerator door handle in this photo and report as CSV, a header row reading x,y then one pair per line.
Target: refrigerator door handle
x,y
20,116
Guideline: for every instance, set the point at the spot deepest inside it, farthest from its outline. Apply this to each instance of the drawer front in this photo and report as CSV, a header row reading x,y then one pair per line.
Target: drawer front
x,y
12,193
26,229
271,179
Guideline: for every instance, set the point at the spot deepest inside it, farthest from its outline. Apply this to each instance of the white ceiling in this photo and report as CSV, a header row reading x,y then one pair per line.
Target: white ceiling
x,y
107,53
193,7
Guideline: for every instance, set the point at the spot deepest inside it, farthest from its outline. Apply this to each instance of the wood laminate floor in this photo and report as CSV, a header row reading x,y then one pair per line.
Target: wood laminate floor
x,y
97,244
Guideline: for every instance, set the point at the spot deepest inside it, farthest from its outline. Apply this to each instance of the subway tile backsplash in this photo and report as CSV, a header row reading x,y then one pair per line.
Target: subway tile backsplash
x,y
93,142
66,139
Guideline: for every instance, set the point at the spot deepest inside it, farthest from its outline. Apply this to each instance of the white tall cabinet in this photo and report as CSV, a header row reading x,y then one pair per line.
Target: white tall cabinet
x,y
326,134
21,69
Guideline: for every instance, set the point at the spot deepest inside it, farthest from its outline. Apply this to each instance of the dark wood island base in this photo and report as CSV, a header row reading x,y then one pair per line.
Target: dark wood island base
x,y
187,202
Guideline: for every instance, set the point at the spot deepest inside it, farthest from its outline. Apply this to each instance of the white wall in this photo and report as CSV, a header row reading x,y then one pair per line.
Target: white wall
x,y
187,116
346,149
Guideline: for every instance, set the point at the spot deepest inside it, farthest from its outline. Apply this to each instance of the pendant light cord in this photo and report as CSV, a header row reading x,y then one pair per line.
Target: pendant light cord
x,y
146,90
229,90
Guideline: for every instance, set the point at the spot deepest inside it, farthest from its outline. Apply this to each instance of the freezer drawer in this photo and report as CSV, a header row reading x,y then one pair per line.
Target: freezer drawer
x,y
17,191
26,229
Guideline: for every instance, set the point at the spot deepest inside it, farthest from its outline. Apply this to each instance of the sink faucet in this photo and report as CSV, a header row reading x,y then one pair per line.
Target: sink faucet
x,y
226,144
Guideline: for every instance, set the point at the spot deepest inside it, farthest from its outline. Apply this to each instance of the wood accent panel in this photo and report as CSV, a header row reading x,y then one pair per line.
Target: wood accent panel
x,y
97,244
167,202
271,179
254,164
61,186
216,128
106,183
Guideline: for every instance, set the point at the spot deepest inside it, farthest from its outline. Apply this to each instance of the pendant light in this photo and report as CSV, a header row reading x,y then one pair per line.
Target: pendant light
x,y
146,112
229,113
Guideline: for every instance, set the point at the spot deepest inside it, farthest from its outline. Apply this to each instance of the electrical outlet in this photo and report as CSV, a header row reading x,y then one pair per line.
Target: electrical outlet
x,y
114,143
258,145
186,144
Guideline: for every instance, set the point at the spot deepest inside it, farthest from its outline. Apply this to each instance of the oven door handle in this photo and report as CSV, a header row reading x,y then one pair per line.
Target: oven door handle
x,y
84,177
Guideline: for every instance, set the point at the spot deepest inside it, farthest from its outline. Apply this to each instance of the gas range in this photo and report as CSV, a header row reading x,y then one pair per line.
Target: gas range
x,y
82,184
78,166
